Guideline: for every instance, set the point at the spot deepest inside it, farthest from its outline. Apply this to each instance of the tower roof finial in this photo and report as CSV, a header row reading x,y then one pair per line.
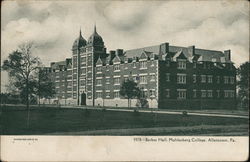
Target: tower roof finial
x,y
80,31
95,28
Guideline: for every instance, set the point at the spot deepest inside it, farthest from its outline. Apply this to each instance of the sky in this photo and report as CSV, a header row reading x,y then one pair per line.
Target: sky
x,y
54,25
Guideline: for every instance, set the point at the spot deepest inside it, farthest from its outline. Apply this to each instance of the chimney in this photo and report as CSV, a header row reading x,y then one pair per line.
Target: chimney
x,y
52,63
191,50
112,54
164,48
227,54
119,52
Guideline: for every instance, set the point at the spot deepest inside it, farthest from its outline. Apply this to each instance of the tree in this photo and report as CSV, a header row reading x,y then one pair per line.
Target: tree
x,y
243,84
22,66
129,90
45,87
142,100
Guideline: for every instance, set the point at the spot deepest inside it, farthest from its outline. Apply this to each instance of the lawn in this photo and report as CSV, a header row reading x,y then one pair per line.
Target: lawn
x,y
50,120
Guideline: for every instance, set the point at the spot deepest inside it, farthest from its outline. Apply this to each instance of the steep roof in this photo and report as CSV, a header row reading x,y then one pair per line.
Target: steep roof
x,y
62,64
207,55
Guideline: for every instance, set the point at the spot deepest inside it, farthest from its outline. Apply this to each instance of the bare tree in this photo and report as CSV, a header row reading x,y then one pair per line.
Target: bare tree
x,y
22,66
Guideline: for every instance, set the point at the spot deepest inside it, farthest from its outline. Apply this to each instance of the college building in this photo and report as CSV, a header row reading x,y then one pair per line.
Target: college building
x,y
171,77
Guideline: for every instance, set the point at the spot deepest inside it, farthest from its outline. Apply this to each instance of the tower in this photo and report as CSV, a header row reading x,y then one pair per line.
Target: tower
x,y
78,44
95,49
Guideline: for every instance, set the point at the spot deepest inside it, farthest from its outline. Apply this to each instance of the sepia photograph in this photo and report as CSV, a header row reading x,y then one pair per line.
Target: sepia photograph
x,y
152,71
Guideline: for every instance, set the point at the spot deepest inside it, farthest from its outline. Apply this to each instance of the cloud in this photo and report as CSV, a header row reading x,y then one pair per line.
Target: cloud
x,y
53,26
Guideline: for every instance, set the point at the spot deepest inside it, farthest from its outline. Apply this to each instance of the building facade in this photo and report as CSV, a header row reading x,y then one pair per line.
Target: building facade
x,y
170,77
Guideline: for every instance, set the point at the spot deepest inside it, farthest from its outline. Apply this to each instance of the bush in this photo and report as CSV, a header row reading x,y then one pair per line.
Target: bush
x,y
142,102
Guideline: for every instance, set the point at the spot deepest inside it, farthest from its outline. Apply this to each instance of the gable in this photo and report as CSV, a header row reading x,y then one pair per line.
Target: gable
x,y
143,55
99,61
181,56
116,59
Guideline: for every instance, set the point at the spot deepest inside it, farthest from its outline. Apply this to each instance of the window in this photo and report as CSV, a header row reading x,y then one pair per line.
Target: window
x,y
204,65
210,79
108,94
167,93
107,80
143,79
232,80
89,69
232,94
229,93
83,71
194,93
209,93
226,94
116,81
98,69
116,94
143,64
181,78
181,93
89,58
208,65
218,79
135,79
152,93
218,93
152,77
194,65
203,78
83,59
181,64
98,94
116,67
125,78
167,77
134,64
226,79
203,93
144,93
168,63
99,82
194,78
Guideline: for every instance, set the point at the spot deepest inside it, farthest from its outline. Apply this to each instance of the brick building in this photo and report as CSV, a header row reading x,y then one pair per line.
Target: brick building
x,y
170,76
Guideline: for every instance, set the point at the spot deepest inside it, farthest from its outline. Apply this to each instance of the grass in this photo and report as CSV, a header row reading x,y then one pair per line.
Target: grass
x,y
50,120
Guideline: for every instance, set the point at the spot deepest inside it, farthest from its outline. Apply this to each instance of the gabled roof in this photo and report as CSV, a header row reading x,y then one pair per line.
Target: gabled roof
x,y
179,55
137,52
206,55
116,59
145,55
99,61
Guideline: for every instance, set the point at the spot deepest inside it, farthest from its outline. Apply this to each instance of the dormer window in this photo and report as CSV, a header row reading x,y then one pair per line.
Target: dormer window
x,y
204,65
181,64
194,64
98,69
143,64
134,65
116,67
168,62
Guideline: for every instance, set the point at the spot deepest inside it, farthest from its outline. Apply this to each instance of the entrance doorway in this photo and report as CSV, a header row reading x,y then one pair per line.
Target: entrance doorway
x,y
83,98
